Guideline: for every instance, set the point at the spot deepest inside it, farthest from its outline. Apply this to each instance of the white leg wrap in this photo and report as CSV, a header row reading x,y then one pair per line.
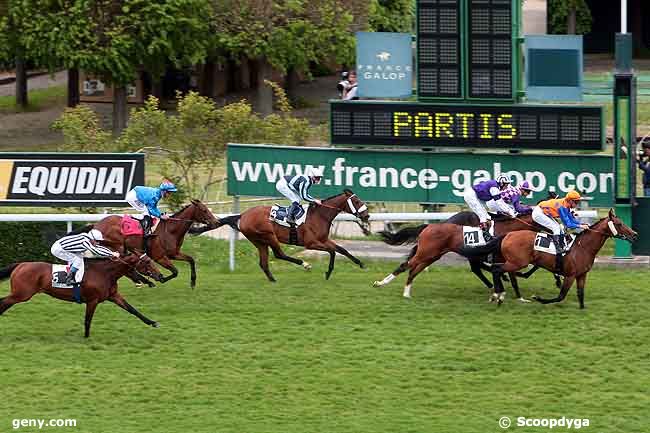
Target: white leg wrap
x,y
407,291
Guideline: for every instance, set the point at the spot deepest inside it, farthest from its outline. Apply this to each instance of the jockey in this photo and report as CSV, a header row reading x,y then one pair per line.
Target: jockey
x,y
71,249
488,193
546,212
145,200
296,189
512,196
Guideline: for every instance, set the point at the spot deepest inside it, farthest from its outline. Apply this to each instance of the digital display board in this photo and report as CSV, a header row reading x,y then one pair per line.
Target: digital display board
x,y
490,53
470,126
439,48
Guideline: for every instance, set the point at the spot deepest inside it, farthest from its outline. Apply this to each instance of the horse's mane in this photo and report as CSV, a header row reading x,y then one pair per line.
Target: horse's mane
x,y
345,191
182,209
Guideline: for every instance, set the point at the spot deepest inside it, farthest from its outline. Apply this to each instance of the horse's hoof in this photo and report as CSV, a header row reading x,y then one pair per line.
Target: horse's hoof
x,y
524,300
406,296
376,284
306,266
155,325
151,285
327,275
139,285
362,266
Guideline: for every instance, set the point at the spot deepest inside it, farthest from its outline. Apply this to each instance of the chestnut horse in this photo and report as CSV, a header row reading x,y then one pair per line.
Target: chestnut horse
x,y
502,225
99,284
313,234
518,252
434,241
164,245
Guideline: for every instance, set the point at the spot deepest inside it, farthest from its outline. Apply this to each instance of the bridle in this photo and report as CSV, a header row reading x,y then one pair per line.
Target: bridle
x,y
140,258
353,210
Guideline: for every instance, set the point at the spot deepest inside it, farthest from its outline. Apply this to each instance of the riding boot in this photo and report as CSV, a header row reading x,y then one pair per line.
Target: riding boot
x,y
558,241
294,210
76,292
146,225
486,231
69,278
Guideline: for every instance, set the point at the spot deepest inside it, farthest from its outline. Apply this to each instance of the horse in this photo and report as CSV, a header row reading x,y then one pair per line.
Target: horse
x,y
313,234
502,225
166,241
433,241
99,284
517,250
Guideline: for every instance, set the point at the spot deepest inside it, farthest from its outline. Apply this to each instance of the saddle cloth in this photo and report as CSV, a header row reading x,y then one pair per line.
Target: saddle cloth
x,y
473,236
59,273
279,214
544,243
132,225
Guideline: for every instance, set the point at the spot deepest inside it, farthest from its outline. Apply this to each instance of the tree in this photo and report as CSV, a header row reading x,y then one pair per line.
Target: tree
x,y
284,34
115,39
392,16
12,53
569,17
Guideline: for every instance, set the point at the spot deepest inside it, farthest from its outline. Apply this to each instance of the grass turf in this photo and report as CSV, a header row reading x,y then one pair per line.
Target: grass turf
x,y
240,354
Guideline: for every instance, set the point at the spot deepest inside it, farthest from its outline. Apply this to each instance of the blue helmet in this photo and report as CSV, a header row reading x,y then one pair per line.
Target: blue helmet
x,y
168,186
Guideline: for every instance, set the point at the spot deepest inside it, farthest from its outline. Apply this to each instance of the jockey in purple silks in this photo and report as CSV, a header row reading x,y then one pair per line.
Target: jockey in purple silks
x,y
488,193
512,196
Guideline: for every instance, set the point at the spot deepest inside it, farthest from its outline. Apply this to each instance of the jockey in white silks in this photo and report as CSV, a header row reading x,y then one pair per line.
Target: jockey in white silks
x,y
296,189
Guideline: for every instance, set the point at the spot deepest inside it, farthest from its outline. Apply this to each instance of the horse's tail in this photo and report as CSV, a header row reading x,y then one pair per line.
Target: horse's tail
x,y
230,221
405,236
84,229
6,272
490,247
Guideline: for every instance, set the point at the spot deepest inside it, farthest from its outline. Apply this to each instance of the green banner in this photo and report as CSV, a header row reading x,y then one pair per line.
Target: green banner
x,y
415,176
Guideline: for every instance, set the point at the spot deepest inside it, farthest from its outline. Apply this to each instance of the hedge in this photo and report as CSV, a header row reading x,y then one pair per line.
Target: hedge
x,y
28,241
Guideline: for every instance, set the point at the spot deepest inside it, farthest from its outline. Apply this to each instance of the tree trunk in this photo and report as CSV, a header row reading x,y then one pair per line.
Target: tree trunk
x,y
291,84
21,82
636,26
119,109
207,79
264,92
571,21
73,87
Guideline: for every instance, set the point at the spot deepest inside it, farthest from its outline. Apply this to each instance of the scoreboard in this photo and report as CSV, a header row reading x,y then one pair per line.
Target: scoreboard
x,y
476,126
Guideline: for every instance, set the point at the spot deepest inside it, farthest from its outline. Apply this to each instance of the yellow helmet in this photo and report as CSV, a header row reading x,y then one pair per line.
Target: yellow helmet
x,y
573,195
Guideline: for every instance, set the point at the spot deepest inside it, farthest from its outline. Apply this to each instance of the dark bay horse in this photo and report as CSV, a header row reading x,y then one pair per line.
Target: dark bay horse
x,y
502,225
518,252
313,234
99,284
433,241
166,241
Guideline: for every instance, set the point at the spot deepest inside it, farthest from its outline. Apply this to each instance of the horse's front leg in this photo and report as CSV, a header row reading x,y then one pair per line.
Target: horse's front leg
x,y
339,249
138,278
118,300
167,264
190,260
568,282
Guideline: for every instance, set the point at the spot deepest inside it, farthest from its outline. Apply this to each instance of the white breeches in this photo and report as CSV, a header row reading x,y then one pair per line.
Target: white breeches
x,y
544,220
493,206
136,204
73,259
475,205
284,189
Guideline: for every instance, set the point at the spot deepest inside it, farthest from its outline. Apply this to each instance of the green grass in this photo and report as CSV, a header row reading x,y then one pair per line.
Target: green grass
x,y
240,354
38,99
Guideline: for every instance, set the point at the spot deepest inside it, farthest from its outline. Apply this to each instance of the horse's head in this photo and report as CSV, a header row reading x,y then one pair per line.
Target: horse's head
x,y
201,214
356,206
144,265
618,228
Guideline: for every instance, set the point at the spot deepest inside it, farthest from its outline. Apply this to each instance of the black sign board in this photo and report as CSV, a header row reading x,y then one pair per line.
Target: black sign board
x,y
68,179
474,126
439,49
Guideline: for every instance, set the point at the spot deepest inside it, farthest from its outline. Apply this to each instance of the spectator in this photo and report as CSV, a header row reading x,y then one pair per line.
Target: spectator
x,y
643,159
348,85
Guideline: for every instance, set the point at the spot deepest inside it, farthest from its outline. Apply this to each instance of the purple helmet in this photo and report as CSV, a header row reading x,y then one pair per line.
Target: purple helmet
x,y
525,186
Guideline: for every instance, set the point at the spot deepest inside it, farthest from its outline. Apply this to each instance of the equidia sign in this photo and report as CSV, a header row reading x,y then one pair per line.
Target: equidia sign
x,y
414,176
68,179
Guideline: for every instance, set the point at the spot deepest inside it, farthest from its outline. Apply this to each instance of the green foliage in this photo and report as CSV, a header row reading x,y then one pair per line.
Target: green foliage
x,y
193,141
28,241
39,99
558,11
392,16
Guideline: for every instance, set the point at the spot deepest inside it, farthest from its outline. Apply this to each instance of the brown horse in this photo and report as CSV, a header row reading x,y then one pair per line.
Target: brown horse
x,y
518,252
99,284
313,234
166,241
502,225
433,241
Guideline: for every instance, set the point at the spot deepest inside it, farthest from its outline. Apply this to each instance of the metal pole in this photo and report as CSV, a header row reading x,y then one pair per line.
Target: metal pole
x,y
233,234
623,16
69,226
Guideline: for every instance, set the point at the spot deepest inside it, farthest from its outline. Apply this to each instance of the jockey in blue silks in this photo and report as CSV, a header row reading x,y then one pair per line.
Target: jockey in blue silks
x,y
145,200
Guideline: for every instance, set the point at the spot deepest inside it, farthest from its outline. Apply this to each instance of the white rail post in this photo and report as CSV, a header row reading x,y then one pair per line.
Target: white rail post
x,y
233,234
69,226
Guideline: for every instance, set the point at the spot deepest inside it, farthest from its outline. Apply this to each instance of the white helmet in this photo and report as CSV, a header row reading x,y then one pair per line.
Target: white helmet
x,y
315,172
503,179
96,234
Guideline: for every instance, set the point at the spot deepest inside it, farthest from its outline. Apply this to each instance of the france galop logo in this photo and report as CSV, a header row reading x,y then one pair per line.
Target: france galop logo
x,y
384,56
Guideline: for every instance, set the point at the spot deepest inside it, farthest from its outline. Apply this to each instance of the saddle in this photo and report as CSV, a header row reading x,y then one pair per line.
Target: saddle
x,y
473,236
132,226
59,272
544,243
279,214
